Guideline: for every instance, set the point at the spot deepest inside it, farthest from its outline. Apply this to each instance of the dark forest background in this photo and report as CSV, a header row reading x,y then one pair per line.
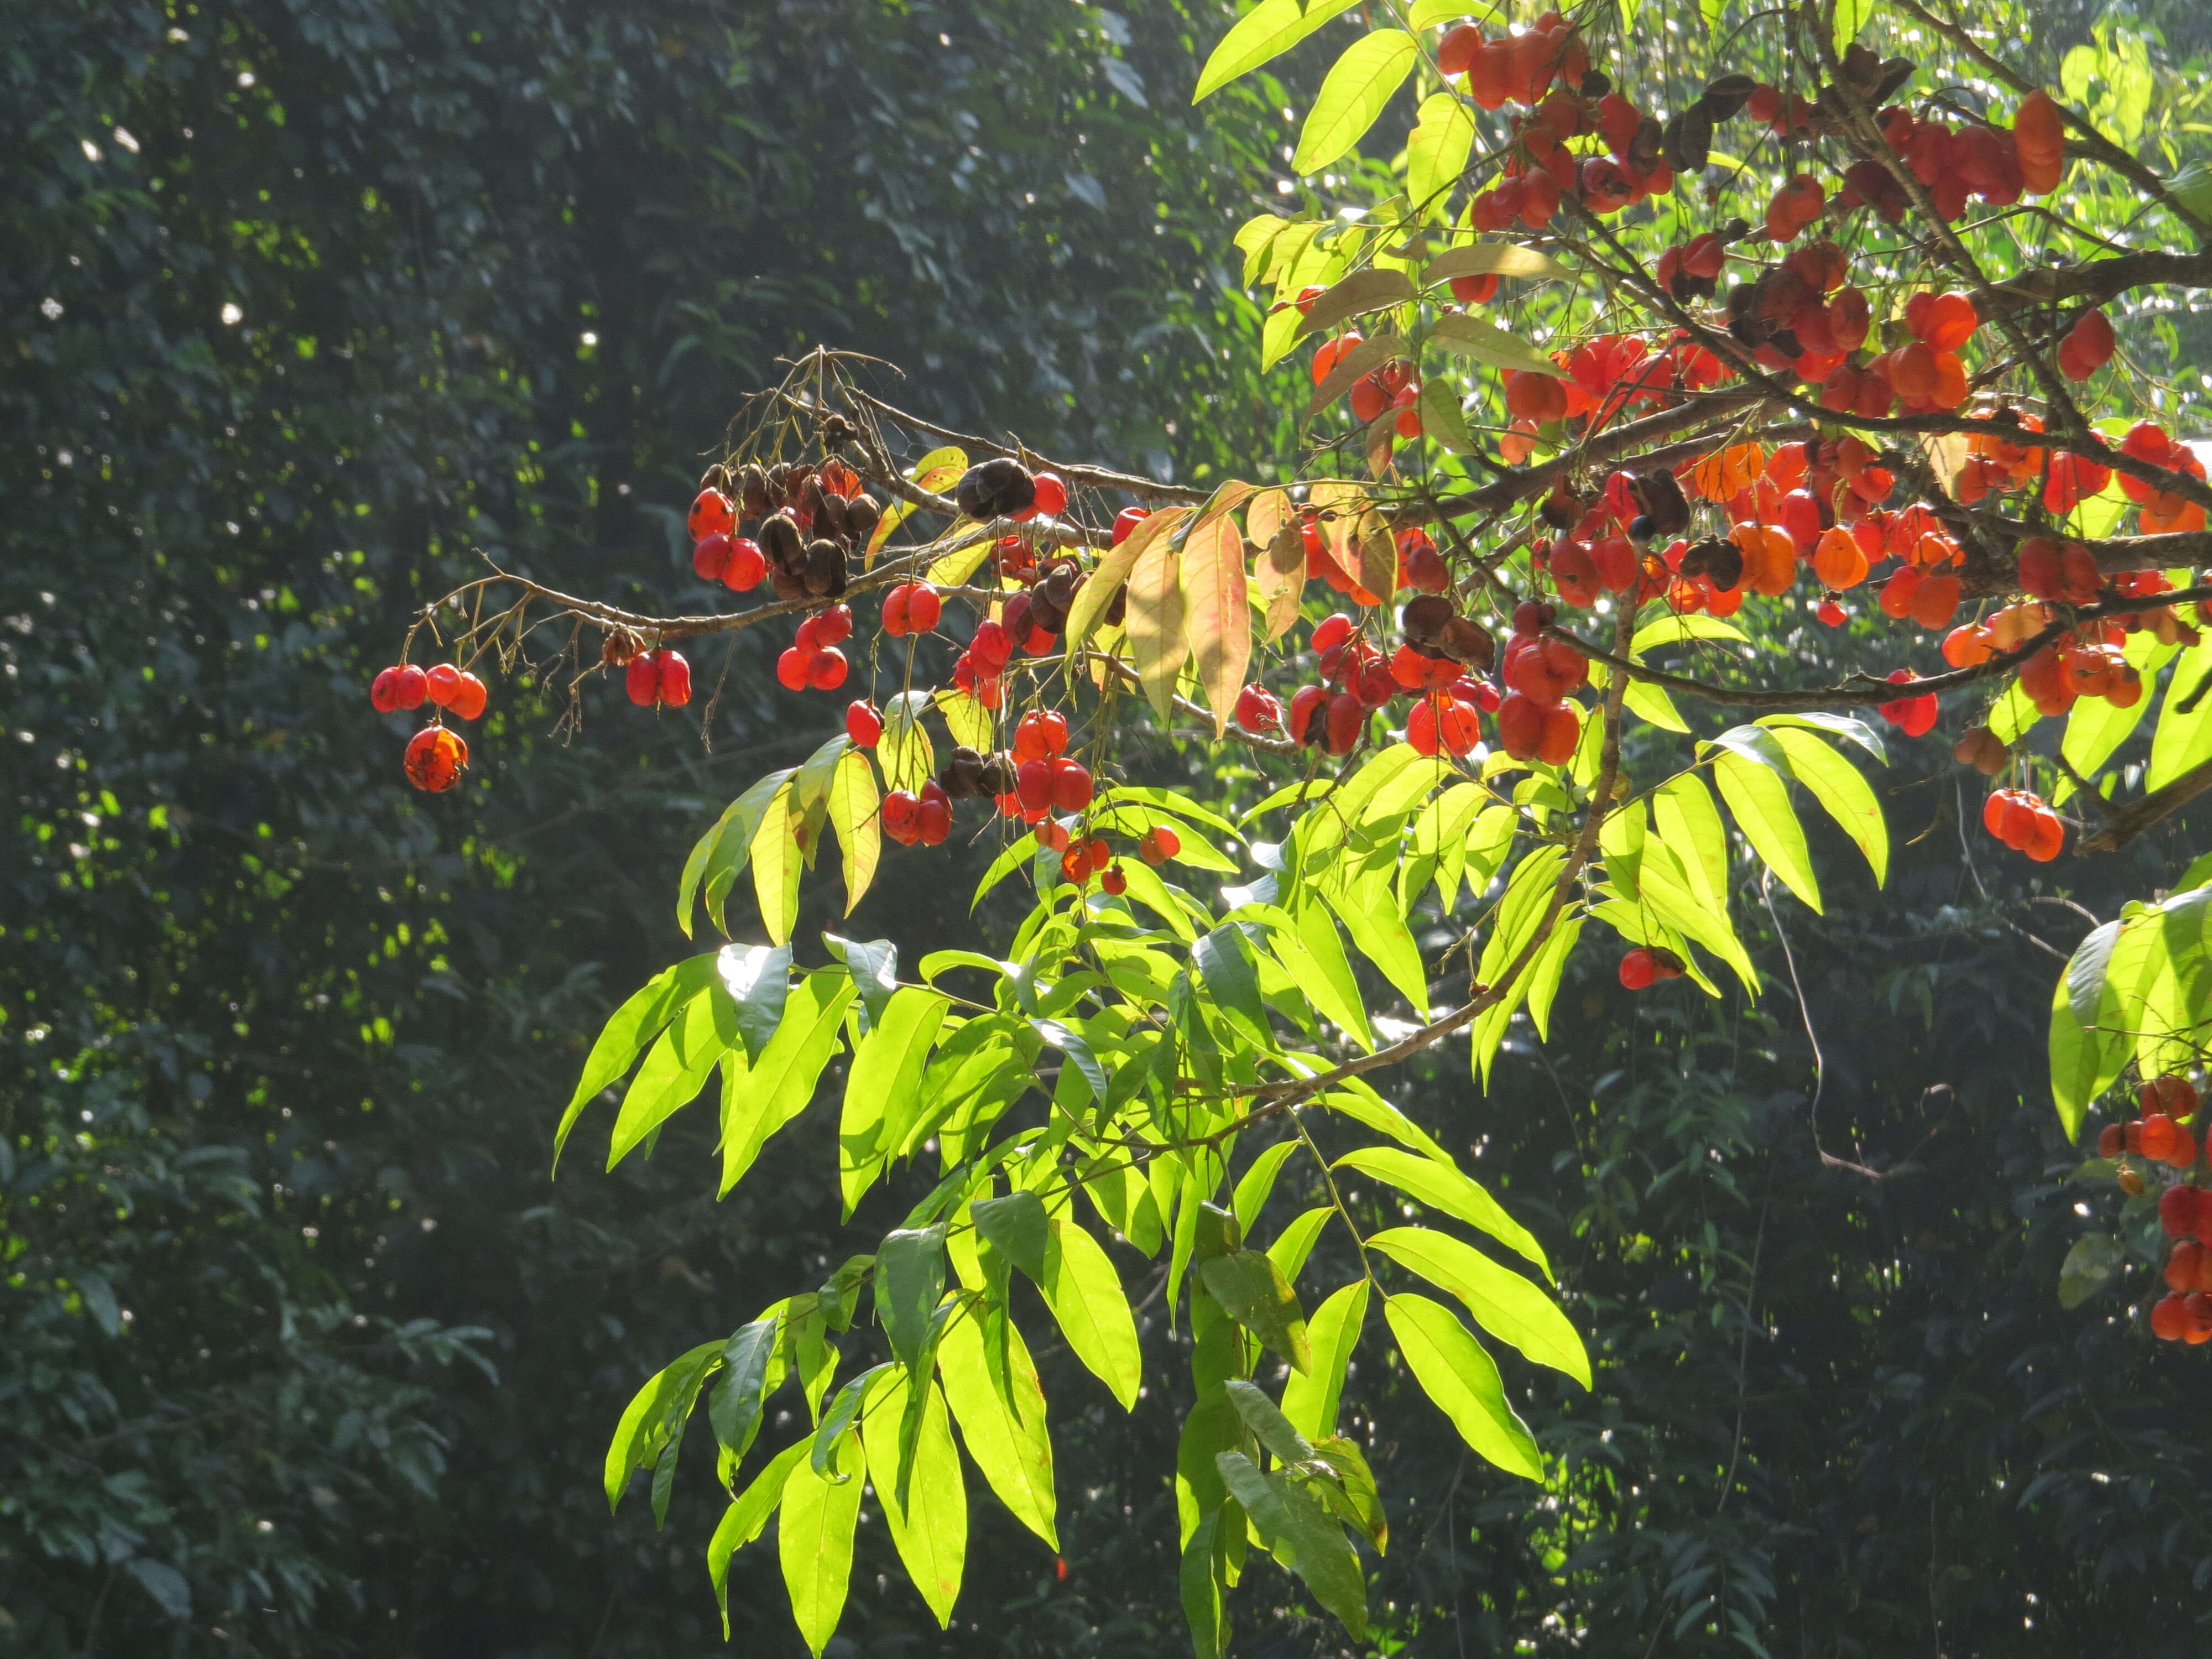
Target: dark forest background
x,y
304,306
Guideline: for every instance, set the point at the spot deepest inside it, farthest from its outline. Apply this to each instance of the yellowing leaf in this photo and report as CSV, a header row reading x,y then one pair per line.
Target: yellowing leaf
x,y
1112,572
1372,290
1353,96
853,815
1217,617
1437,151
1489,259
1157,644
775,860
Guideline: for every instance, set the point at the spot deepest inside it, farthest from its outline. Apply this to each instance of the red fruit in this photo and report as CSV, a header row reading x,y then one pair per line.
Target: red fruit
x,y
1331,631
901,817
1531,617
833,625
442,683
1421,727
1098,854
1053,834
434,759
2157,1135
1948,323
1831,614
1158,844
641,679
1638,969
397,687
1520,726
748,566
1915,716
790,671
895,616
2176,1212
1051,495
1071,785
1033,784
469,697
1126,521
675,678
1460,44
2181,1265
1459,726
2110,1140
827,670
805,638
1473,291
1040,733
1257,711
2174,1096
863,725
2169,1320
2196,1306
1563,730
2087,347
992,647
1306,704
933,816
1347,716
711,515
1114,881
923,607
711,558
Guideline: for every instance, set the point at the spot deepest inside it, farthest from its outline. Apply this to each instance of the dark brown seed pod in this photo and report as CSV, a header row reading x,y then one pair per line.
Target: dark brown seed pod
x,y
787,583
1424,619
1725,97
997,777
781,544
1015,619
1895,72
838,431
824,576
995,488
862,515
1666,510
1647,145
1687,140
619,647
1718,560
1467,640
1595,84
961,774
1117,608
716,476
752,486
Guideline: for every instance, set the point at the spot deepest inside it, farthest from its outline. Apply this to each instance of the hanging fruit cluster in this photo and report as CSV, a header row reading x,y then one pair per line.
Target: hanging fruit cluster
x,y
2161,1144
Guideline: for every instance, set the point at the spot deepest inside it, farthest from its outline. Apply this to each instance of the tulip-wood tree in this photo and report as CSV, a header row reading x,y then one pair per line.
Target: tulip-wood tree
x,y
1604,407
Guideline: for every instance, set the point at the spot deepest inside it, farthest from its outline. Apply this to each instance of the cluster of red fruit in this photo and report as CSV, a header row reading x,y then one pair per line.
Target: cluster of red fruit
x,y
2161,1135
810,519
812,661
2025,823
1955,165
655,677
436,755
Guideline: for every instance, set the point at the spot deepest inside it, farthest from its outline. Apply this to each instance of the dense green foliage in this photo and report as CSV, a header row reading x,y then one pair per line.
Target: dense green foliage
x,y
305,1356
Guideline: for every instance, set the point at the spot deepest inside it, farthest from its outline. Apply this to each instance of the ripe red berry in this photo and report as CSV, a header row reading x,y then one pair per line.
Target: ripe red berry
x,y
1638,969
2157,1135
933,817
791,669
863,725
1071,785
1347,718
1040,734
894,618
1164,841
827,670
1257,711
747,567
2181,1265
1051,495
1306,704
2176,1212
833,625
993,647
711,515
1531,617
901,817
1127,520
403,686
435,758
1053,834
641,679
2110,1140
468,699
675,678
1033,784
2169,1322
710,560
1831,614
923,607
1114,881
443,683
1331,631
